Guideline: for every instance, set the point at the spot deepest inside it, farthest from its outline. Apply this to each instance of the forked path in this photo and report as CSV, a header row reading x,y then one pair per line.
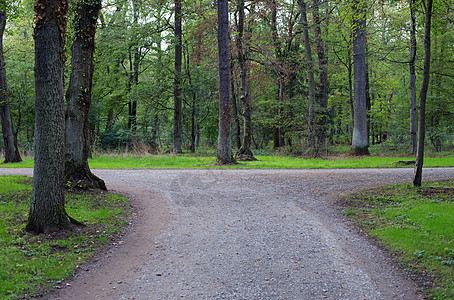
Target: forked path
x,y
243,234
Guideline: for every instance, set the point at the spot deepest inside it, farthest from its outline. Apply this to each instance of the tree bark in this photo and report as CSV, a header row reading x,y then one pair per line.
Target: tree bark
x,y
360,140
224,155
323,91
9,138
278,140
312,139
235,109
422,97
78,99
245,152
47,208
413,113
350,90
134,61
177,81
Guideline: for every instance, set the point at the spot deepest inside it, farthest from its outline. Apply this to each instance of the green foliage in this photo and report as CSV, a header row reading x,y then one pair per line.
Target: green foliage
x,y
30,265
415,223
140,42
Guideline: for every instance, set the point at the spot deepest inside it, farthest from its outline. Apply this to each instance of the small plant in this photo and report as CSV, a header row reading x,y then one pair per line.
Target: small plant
x,y
420,254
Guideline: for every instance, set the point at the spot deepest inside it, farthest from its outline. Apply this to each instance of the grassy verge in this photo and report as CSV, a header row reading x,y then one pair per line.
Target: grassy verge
x,y
30,265
416,225
188,161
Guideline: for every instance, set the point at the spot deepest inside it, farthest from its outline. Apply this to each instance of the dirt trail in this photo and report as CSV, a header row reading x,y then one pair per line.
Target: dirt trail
x,y
243,234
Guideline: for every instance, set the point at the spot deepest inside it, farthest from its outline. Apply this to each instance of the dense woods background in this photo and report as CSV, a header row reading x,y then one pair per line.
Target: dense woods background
x,y
291,65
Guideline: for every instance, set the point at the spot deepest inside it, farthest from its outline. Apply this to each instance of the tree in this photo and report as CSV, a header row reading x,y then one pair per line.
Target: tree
x,y
224,155
360,140
9,138
177,81
413,114
242,41
78,98
47,208
312,139
323,93
422,97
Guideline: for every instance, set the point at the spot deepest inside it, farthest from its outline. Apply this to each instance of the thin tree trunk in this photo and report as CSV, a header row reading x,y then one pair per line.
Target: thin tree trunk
x,y
322,119
422,97
360,140
177,81
9,138
134,61
413,113
278,140
47,208
312,139
236,117
193,106
350,90
224,155
78,99
368,103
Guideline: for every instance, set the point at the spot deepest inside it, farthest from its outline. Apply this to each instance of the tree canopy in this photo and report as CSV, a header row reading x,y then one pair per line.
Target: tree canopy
x,y
134,69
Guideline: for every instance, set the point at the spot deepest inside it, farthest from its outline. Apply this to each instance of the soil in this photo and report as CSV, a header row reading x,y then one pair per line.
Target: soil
x,y
243,234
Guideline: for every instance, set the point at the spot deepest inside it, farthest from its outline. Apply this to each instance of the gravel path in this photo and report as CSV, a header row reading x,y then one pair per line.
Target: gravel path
x,y
243,234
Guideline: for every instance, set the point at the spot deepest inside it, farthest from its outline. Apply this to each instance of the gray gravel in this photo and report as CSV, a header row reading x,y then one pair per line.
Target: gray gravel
x,y
254,234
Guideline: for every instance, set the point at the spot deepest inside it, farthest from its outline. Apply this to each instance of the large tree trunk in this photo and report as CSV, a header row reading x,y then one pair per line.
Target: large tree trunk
x,y
9,138
312,139
224,155
245,152
360,140
177,81
78,99
47,208
413,114
422,97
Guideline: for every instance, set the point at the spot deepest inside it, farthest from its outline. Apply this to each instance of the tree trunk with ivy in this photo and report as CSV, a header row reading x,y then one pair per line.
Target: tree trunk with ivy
x,y
11,151
78,99
47,207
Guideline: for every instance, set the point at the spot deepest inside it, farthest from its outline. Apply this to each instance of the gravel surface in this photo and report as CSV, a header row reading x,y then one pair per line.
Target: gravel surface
x,y
244,234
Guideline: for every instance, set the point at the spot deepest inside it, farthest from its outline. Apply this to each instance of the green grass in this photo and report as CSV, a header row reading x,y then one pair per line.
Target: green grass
x,y
188,161
30,265
415,224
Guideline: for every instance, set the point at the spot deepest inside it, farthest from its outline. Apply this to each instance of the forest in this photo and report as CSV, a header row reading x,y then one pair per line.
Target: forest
x,y
292,77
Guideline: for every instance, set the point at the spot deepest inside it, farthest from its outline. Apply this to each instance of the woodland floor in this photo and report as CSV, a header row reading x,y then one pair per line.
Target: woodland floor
x,y
243,234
